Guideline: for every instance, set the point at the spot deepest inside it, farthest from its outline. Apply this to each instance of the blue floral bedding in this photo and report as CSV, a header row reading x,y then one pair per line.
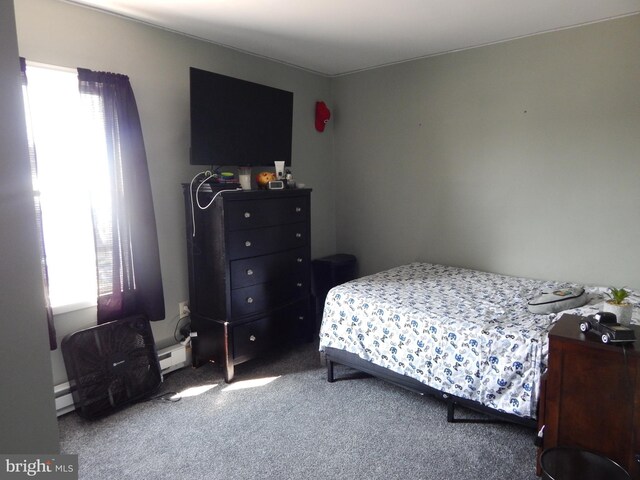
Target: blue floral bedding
x,y
464,332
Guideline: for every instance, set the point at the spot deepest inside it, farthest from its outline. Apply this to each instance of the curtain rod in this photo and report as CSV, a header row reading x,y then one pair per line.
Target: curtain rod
x,y
52,67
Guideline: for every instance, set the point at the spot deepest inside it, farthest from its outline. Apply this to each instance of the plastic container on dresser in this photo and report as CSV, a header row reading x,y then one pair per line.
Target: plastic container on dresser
x,y
249,273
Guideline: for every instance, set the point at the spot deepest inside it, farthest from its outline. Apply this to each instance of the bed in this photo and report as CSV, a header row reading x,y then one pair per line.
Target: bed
x,y
463,335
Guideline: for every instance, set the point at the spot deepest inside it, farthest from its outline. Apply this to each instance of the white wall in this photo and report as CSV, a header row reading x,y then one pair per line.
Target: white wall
x,y
27,412
157,62
519,158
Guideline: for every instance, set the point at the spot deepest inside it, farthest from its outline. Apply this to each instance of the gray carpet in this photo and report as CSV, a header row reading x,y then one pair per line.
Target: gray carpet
x,y
298,426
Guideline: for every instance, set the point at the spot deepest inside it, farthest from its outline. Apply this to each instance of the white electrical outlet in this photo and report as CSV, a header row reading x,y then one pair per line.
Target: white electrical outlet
x,y
183,309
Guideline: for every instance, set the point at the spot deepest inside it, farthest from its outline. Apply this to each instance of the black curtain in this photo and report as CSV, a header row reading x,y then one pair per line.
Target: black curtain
x,y
128,261
53,344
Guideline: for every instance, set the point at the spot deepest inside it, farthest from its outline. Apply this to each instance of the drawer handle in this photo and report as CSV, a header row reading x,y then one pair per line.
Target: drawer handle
x,y
247,214
298,209
249,272
298,235
252,338
249,300
299,259
299,284
247,243
301,317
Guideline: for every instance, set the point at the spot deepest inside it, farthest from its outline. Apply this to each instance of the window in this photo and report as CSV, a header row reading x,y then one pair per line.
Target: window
x,y
92,193
71,157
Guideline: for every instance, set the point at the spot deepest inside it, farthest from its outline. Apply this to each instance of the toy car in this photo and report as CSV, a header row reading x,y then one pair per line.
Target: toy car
x,y
606,324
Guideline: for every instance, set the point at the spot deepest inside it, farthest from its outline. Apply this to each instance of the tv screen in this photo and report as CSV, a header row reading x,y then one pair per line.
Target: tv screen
x,y
238,123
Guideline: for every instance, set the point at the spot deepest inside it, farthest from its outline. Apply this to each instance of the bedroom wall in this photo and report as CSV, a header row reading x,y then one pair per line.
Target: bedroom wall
x,y
27,411
518,158
157,63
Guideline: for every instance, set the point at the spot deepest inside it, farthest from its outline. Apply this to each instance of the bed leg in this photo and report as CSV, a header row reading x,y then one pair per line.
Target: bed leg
x,y
330,377
451,415
451,411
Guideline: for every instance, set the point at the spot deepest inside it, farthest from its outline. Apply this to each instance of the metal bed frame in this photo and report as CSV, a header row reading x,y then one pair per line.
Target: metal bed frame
x,y
335,356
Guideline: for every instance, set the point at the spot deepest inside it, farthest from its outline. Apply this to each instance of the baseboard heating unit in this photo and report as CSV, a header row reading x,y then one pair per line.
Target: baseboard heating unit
x,y
171,358
174,357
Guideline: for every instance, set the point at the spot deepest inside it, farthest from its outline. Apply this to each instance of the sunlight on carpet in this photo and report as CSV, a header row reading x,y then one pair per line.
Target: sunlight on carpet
x,y
194,391
244,384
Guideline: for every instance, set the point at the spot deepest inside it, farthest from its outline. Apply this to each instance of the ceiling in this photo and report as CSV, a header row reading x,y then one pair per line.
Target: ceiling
x,y
334,37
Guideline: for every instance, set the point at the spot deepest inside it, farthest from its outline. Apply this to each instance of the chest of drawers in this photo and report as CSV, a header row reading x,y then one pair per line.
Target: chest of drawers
x,y
249,273
590,396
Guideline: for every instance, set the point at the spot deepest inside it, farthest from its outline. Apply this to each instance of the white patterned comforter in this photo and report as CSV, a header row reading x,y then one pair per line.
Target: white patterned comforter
x,y
463,332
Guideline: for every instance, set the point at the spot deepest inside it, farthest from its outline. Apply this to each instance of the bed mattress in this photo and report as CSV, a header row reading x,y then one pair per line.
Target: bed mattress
x,y
463,332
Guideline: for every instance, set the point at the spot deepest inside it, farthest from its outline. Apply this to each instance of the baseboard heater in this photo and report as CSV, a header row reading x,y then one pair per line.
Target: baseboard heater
x,y
174,357
171,358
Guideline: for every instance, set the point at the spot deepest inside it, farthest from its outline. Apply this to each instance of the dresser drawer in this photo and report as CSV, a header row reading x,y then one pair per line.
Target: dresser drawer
x,y
252,338
262,241
286,325
266,296
246,214
268,268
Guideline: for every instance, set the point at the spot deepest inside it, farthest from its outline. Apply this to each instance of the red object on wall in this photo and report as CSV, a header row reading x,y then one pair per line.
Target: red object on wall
x,y
322,116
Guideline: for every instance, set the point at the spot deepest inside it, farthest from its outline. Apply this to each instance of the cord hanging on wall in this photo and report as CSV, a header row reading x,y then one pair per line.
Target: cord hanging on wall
x,y
322,116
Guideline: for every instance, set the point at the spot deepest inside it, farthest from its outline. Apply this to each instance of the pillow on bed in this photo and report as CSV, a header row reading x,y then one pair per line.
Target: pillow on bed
x,y
558,300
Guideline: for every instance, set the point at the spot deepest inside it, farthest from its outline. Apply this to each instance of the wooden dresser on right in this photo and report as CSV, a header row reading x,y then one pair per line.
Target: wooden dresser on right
x,y
590,395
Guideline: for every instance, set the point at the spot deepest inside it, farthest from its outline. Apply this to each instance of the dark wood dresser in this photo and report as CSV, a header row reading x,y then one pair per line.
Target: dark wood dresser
x,y
590,397
249,273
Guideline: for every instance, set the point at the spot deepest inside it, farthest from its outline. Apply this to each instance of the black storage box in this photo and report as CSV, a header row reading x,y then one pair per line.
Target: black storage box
x,y
329,272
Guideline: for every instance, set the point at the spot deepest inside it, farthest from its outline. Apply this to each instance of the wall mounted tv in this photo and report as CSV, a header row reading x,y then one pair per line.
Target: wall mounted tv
x,y
238,123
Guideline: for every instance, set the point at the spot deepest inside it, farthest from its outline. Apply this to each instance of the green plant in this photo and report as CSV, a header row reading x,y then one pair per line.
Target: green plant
x,y
617,295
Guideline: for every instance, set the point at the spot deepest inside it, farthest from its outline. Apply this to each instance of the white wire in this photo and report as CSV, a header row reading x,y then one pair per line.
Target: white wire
x,y
193,215
192,194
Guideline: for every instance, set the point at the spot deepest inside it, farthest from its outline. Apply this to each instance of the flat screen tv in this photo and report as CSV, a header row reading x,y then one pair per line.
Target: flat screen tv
x,y
238,123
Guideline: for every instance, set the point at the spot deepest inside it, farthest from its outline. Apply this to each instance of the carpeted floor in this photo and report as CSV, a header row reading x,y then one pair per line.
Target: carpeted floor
x,y
281,419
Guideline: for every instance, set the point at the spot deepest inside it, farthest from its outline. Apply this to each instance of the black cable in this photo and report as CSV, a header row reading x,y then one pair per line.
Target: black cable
x,y
175,330
166,397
